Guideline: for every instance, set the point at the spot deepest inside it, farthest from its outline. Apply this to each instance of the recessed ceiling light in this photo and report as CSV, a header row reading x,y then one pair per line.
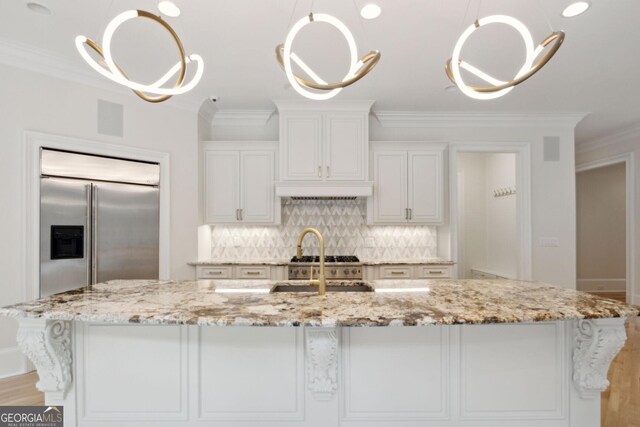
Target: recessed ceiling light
x,y
38,8
168,8
575,9
370,11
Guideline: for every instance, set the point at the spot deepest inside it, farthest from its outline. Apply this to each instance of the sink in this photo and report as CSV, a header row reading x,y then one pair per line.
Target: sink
x,y
331,287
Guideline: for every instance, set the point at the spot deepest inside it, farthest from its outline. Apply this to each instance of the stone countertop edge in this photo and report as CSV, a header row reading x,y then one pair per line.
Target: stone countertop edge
x,y
444,302
217,262
220,262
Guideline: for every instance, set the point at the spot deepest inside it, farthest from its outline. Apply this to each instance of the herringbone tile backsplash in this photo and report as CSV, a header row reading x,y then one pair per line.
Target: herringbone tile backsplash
x,y
341,222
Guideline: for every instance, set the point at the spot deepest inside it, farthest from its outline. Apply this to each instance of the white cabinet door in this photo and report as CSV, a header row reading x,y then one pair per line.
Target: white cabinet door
x,y
222,186
301,147
390,187
345,147
425,186
257,186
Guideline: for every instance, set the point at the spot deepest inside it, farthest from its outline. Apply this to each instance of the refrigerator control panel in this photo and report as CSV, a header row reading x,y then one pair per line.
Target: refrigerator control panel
x,y
67,241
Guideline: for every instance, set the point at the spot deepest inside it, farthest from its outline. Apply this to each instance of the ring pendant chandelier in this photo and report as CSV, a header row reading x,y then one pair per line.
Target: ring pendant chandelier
x,y
358,68
154,92
496,87
314,87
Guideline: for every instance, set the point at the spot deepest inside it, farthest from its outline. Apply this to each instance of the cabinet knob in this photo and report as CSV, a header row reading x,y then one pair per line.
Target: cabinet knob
x,y
333,271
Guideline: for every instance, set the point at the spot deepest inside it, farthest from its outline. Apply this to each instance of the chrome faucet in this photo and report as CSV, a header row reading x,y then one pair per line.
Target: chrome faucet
x,y
321,281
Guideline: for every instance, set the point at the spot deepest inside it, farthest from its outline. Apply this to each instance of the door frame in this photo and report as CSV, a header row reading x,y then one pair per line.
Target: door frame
x,y
523,199
628,160
33,142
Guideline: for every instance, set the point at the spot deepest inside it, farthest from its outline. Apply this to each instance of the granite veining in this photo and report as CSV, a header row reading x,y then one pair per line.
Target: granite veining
x,y
233,302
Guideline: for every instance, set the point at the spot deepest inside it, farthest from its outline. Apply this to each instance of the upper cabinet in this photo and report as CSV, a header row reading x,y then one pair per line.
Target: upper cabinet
x,y
239,183
408,184
328,143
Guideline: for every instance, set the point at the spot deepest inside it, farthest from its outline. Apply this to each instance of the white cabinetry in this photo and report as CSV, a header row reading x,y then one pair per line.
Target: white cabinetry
x,y
241,272
408,184
239,183
407,271
324,144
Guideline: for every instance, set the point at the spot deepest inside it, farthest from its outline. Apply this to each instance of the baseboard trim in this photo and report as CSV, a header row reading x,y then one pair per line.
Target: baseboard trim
x,y
602,285
12,362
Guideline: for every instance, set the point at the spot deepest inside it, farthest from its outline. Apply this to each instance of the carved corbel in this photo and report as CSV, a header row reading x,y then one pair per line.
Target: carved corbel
x,y
47,343
597,343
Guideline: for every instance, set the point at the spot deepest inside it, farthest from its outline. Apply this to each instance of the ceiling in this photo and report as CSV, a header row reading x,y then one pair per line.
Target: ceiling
x,y
237,39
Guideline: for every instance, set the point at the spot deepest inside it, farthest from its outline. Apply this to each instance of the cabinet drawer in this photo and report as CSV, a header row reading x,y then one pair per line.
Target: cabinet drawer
x,y
433,272
390,272
248,272
214,272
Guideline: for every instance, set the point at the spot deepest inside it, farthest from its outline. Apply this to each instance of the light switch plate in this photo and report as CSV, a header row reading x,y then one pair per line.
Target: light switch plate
x,y
549,242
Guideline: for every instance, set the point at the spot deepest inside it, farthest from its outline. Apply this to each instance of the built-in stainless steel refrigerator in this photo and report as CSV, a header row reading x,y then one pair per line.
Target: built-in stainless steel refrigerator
x,y
99,220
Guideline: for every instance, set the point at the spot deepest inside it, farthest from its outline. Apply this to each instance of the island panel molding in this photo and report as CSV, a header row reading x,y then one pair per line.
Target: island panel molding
x,y
322,362
597,343
47,343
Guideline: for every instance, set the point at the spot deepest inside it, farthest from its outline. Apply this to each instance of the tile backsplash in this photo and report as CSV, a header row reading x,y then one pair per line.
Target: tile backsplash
x,y
341,222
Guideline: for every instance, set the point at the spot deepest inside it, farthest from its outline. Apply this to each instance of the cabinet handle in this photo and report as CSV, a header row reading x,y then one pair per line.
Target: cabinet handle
x,y
410,213
252,273
406,213
214,273
328,171
397,273
436,272
319,171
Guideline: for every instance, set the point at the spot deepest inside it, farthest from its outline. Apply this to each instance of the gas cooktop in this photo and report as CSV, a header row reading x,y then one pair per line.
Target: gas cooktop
x,y
327,259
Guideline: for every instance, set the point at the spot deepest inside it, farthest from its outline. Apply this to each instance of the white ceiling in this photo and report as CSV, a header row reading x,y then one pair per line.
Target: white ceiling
x,y
237,39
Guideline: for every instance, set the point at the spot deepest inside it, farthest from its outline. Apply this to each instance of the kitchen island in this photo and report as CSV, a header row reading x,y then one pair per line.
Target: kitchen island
x,y
231,353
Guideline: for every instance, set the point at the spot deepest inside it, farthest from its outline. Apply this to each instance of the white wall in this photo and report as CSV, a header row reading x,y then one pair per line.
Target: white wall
x,y
489,230
503,245
601,238
472,212
32,101
626,142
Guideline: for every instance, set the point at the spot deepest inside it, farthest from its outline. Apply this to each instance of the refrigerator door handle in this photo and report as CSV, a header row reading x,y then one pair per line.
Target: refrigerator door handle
x,y
87,236
94,234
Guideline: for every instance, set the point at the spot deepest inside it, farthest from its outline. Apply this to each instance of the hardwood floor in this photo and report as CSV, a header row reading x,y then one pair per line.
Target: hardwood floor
x,y
20,391
620,403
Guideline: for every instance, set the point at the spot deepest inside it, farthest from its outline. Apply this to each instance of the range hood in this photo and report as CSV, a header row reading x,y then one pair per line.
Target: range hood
x,y
335,189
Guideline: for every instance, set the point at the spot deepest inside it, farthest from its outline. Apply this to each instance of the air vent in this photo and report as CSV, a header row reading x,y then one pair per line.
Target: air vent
x,y
324,198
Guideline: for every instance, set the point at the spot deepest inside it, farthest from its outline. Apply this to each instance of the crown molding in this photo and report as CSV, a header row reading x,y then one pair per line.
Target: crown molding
x,y
629,134
41,61
423,119
242,117
330,105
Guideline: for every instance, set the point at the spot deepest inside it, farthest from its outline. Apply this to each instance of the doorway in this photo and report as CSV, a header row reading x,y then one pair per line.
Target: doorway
x,y
487,216
602,230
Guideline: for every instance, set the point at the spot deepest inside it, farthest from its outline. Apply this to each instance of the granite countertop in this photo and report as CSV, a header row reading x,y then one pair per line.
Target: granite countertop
x,y
262,261
394,303
245,261
424,261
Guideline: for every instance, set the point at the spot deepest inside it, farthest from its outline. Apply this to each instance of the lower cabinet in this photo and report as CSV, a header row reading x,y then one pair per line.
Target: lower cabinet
x,y
511,375
268,272
407,271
